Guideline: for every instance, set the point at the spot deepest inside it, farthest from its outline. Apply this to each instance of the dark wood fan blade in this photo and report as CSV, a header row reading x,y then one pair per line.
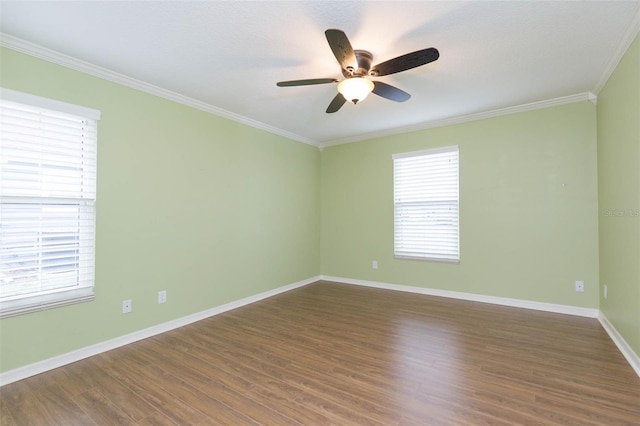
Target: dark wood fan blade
x,y
342,49
306,82
390,92
406,62
336,103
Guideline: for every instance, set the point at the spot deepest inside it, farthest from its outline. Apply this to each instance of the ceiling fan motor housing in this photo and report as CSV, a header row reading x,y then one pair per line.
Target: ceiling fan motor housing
x,y
364,59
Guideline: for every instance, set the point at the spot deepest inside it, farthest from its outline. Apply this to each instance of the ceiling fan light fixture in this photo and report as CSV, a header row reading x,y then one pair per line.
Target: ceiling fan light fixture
x,y
355,89
356,64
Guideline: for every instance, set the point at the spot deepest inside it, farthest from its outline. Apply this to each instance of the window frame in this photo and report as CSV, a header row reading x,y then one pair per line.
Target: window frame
x,y
84,217
400,247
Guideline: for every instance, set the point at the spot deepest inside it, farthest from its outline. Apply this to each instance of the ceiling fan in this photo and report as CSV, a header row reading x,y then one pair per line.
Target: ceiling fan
x,y
356,67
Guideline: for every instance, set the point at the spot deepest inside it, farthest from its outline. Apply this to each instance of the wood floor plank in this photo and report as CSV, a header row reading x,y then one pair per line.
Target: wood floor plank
x,y
156,419
100,408
284,402
62,410
335,354
20,407
153,391
6,419
339,412
203,400
119,394
590,414
257,412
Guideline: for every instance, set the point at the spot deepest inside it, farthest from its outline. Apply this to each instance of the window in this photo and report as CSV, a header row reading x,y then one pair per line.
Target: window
x,y
426,205
47,202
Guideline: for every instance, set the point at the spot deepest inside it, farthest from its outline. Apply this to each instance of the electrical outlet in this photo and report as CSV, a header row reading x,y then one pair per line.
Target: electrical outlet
x,y
374,264
126,306
162,296
580,286
605,290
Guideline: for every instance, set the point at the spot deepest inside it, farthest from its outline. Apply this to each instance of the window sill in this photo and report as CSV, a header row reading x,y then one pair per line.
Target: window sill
x,y
30,304
428,259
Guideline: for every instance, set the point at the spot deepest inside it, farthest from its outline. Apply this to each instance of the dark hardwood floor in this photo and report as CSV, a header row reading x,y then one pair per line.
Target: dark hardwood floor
x,y
338,354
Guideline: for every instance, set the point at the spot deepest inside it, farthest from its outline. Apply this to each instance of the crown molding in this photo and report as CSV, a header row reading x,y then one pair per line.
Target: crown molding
x,y
67,61
580,97
632,31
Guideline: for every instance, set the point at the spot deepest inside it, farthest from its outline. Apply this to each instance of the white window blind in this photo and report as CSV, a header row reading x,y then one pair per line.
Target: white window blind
x,y
426,219
47,202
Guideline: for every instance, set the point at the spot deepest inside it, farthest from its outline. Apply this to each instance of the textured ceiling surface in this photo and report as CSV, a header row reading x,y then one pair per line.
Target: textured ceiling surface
x,y
230,54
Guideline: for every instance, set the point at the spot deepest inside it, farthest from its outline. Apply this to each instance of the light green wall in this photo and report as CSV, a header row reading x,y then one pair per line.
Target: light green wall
x,y
208,209
619,196
212,211
528,203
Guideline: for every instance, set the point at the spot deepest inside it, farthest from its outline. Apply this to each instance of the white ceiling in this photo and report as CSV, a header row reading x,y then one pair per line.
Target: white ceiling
x,y
226,56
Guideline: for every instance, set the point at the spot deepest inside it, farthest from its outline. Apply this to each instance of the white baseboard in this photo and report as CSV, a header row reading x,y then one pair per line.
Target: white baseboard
x,y
618,340
627,352
518,303
70,357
